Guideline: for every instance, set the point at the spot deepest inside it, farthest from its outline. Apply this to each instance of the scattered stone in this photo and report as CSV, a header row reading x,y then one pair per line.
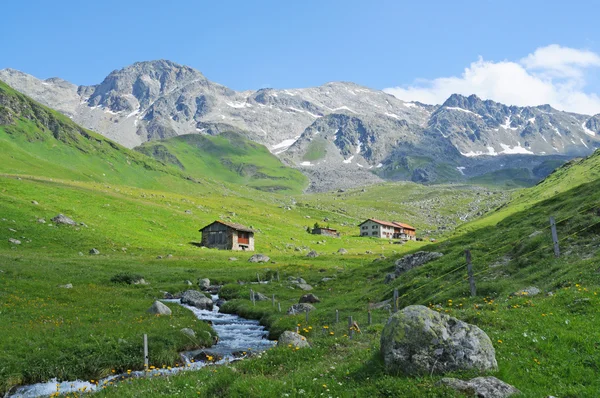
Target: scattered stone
x,y
368,252
67,286
326,279
189,283
34,202
386,304
12,230
293,338
300,308
296,280
197,299
94,251
260,297
204,283
41,221
342,251
159,257
483,387
14,241
312,254
159,308
188,332
259,258
140,281
528,291
62,219
417,340
389,278
304,286
188,212
233,259
220,302
309,298
415,260
169,256
81,253
167,296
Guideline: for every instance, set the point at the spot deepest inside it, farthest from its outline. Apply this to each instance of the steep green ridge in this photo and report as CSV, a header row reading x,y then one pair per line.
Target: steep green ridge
x,y
228,157
566,177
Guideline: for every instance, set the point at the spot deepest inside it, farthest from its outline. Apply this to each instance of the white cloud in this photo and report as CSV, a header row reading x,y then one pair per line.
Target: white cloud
x,y
552,75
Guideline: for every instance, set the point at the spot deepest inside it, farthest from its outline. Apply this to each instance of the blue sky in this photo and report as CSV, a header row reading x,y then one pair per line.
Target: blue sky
x,y
254,44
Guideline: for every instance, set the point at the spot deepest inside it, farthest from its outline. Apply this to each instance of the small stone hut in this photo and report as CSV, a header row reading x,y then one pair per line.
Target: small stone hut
x,y
326,231
224,235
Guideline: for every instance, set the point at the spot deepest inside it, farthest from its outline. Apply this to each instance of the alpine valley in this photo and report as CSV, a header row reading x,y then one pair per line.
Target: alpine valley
x,y
341,135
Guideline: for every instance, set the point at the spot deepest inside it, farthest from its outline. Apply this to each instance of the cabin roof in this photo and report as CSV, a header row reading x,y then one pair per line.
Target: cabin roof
x,y
237,227
389,224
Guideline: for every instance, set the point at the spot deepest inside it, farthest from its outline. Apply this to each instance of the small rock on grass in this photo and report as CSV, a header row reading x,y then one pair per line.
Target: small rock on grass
x,y
14,241
159,308
528,291
67,286
484,387
292,339
188,332
309,298
94,251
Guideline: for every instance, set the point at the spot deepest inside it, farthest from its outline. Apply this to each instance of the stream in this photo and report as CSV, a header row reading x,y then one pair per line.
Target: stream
x,y
237,336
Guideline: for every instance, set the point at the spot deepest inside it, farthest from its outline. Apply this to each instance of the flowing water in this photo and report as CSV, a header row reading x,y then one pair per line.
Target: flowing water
x,y
237,337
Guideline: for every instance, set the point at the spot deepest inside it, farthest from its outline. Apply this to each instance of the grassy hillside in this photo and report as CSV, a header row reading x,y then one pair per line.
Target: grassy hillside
x,y
136,211
227,157
545,344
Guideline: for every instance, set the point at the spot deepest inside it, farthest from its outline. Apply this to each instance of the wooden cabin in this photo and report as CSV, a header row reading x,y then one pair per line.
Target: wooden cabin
x,y
326,231
224,235
386,229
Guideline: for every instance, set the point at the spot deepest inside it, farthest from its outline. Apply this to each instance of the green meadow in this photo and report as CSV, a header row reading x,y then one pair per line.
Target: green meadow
x,y
143,214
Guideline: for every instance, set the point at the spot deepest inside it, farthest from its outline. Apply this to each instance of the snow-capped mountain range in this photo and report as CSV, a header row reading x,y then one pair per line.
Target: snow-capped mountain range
x,y
341,127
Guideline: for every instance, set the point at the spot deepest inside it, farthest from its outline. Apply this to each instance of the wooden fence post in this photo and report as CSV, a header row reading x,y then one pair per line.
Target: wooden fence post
x,y
273,300
145,351
554,237
470,272
279,306
277,276
337,316
258,277
251,295
395,300
350,329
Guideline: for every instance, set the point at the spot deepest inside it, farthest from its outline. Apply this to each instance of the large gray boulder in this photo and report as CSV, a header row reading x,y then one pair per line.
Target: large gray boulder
x,y
259,258
159,308
62,219
483,387
300,308
196,299
294,339
415,260
420,341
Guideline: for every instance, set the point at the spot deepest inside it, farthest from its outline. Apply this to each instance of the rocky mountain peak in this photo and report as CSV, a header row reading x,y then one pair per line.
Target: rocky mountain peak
x,y
138,85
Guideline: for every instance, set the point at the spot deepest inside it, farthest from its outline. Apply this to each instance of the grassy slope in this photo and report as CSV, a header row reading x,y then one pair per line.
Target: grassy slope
x,y
134,209
228,157
545,345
